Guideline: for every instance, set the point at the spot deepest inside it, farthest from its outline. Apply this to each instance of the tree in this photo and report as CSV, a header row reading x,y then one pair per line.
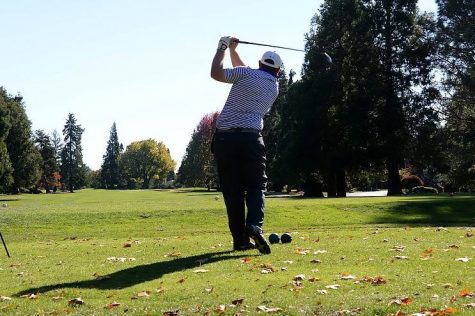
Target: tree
x,y
5,163
57,144
198,167
110,172
72,166
456,40
48,166
146,160
403,38
25,158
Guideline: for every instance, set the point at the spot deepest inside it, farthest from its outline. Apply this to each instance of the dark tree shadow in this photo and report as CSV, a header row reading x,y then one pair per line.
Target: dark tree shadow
x,y
139,274
432,211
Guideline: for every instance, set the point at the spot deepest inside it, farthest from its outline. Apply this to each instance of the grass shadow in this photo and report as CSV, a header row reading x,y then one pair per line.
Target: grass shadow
x,y
431,211
139,274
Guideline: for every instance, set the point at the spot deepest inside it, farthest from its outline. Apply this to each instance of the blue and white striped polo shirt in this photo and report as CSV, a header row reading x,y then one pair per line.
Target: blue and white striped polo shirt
x,y
251,96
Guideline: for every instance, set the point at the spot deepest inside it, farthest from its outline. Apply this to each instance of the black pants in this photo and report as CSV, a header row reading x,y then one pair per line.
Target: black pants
x,y
241,161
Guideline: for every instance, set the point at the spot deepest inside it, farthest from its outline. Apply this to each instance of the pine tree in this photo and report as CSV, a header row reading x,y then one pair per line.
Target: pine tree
x,y
24,156
48,166
72,166
110,171
5,163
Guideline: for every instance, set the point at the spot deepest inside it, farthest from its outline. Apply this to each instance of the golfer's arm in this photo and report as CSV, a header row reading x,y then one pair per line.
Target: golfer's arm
x,y
235,59
217,68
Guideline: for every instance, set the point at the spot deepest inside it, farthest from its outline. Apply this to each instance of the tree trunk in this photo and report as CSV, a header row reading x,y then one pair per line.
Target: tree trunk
x,y
331,185
394,181
341,183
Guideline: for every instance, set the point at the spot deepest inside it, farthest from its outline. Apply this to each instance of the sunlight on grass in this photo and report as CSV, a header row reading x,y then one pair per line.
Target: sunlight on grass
x,y
157,251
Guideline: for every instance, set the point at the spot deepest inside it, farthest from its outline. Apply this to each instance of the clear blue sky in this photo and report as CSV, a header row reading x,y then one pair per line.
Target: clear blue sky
x,y
143,64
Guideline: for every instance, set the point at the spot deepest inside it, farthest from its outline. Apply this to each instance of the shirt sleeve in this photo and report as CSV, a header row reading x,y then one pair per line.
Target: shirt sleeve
x,y
231,75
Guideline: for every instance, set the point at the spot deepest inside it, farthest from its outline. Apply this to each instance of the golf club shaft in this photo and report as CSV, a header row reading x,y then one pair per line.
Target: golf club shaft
x,y
274,46
4,245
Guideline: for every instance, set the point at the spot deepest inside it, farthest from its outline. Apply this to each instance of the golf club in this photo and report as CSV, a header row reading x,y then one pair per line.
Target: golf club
x,y
328,59
4,245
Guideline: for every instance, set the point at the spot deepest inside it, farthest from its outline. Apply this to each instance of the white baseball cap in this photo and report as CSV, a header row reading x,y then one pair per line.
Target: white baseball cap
x,y
271,59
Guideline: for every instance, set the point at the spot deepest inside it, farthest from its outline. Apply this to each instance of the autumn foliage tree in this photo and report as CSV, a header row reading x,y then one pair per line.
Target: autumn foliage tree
x,y
144,161
198,168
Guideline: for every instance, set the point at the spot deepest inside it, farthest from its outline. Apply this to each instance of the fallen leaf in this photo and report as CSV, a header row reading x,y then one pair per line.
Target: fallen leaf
x,y
237,302
266,309
323,292
246,260
143,294
182,280
315,261
112,305
469,234
466,293
399,248
299,277
347,277
401,257
31,296
301,251
209,289
469,305
201,271
5,298
127,245
266,271
332,286
447,285
401,301
76,301
288,261
159,290
171,313
454,246
464,259
57,298
221,309
313,279
319,252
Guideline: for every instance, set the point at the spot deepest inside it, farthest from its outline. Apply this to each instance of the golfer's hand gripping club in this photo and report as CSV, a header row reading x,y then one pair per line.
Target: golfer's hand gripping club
x,y
224,43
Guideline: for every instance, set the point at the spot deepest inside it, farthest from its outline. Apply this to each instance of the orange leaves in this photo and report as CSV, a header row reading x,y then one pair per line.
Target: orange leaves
x,y
246,260
76,301
112,305
466,293
377,280
426,254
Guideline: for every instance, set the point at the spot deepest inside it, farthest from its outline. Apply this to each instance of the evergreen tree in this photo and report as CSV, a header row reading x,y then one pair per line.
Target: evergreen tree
x,y
403,39
24,156
5,163
72,166
456,39
198,167
48,166
110,171
57,144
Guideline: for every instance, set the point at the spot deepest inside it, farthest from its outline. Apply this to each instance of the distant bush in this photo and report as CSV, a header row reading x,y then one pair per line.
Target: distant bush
x,y
422,190
411,181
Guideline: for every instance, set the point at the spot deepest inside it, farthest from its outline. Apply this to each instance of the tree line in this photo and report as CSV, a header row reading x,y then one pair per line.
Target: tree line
x,y
397,104
31,161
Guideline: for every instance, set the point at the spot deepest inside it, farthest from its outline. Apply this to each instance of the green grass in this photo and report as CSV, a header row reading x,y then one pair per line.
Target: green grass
x,y
59,242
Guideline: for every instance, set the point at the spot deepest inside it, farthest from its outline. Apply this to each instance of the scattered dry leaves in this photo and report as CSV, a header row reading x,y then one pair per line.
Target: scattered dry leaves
x,y
171,313
246,260
299,277
466,293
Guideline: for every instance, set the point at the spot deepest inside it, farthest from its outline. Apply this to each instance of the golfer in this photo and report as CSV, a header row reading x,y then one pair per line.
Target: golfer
x,y
238,145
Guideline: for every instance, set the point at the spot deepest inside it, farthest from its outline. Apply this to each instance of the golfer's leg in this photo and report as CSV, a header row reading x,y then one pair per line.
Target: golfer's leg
x,y
256,180
231,186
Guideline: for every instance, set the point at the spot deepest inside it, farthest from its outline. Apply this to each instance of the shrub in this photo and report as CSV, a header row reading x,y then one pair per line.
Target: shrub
x,y
411,181
422,190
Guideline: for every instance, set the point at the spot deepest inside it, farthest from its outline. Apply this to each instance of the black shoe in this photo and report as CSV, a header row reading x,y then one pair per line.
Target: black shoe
x,y
255,233
244,247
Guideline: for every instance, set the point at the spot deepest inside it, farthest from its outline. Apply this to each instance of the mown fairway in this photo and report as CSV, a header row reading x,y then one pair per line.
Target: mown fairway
x,y
154,252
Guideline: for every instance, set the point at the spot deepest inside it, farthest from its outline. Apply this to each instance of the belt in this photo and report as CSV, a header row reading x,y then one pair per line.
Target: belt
x,y
238,130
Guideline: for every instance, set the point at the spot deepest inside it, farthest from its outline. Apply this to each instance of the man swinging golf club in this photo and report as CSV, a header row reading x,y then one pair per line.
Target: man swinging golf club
x,y
238,145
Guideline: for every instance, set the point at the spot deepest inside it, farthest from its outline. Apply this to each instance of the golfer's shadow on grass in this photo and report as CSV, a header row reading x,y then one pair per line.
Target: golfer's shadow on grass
x,y
139,274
